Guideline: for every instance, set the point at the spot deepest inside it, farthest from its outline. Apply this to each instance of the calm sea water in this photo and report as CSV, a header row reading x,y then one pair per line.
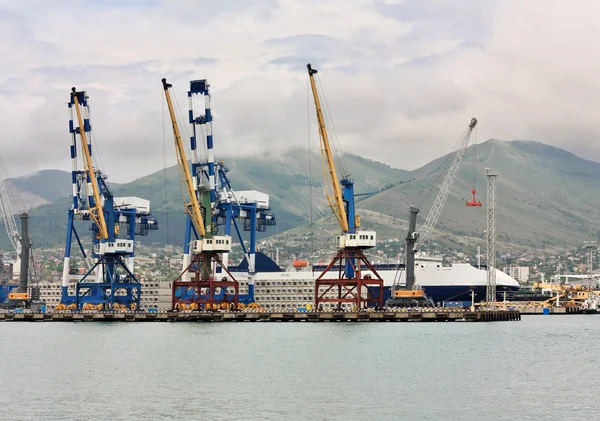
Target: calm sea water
x,y
542,368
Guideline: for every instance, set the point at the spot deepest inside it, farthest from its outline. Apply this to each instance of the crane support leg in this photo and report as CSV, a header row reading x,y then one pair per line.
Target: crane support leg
x,y
186,246
67,260
204,292
119,286
359,291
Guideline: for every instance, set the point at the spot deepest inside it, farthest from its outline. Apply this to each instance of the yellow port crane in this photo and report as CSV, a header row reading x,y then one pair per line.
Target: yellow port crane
x,y
351,284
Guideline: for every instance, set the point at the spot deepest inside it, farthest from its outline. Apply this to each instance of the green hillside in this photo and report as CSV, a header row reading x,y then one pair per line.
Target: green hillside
x,y
544,196
286,179
48,184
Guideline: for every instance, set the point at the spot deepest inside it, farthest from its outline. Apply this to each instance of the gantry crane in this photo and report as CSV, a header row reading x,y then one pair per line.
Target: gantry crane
x,y
114,284
352,286
203,291
228,207
404,294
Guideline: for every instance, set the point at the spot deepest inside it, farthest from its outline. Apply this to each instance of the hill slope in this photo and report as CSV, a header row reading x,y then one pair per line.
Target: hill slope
x,y
544,195
47,184
286,179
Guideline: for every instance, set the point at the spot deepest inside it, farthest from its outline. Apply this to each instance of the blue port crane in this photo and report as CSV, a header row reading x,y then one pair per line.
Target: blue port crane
x,y
205,289
245,211
109,282
352,287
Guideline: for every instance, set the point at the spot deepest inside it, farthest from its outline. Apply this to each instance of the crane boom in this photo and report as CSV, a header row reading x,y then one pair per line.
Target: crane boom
x,y
192,207
335,199
96,211
8,215
440,200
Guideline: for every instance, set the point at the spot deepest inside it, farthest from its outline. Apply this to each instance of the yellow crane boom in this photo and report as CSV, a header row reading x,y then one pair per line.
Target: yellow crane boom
x,y
333,190
96,211
192,207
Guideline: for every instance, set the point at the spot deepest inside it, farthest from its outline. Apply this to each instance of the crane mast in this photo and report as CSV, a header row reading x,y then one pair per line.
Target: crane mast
x,y
192,207
335,200
203,291
444,189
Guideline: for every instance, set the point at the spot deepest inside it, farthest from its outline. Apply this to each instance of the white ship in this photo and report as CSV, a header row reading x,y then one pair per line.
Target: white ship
x,y
277,289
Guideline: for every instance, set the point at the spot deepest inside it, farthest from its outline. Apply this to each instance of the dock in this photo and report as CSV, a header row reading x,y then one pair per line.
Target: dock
x,y
425,315
536,310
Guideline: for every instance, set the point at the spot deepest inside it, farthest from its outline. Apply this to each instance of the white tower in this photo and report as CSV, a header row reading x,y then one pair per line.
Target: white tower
x,y
590,245
490,293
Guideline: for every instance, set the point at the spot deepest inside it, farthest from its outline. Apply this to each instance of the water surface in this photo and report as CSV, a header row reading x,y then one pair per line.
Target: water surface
x,y
542,368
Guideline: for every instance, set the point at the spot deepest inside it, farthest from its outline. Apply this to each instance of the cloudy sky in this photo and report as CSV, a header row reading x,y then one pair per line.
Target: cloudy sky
x,y
402,77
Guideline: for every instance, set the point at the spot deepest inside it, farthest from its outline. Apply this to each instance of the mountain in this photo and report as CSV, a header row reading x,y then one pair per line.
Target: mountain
x,y
286,179
544,196
48,185
40,188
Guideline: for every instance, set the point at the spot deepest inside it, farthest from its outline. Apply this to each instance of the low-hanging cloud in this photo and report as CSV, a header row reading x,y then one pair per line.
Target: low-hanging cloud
x,y
402,78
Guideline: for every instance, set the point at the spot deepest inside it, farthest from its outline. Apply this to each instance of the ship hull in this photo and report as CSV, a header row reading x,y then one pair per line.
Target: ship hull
x,y
443,295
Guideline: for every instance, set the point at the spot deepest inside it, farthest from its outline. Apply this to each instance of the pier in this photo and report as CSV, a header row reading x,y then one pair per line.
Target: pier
x,y
425,315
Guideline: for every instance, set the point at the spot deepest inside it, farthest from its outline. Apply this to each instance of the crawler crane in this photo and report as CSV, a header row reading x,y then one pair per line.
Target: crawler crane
x,y
343,276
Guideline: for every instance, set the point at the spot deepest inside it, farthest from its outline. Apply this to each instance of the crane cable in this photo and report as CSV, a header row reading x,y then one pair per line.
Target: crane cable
x,y
333,138
475,159
399,269
310,186
186,133
92,135
164,144
436,177
186,150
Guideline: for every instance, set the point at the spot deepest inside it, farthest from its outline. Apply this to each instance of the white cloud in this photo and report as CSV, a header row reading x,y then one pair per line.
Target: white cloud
x,y
402,78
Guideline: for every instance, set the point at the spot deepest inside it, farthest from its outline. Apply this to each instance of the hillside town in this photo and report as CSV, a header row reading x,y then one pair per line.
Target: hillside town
x,y
165,263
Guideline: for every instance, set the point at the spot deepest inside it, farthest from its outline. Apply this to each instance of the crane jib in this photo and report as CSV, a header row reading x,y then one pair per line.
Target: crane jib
x,y
446,184
192,207
96,211
336,200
